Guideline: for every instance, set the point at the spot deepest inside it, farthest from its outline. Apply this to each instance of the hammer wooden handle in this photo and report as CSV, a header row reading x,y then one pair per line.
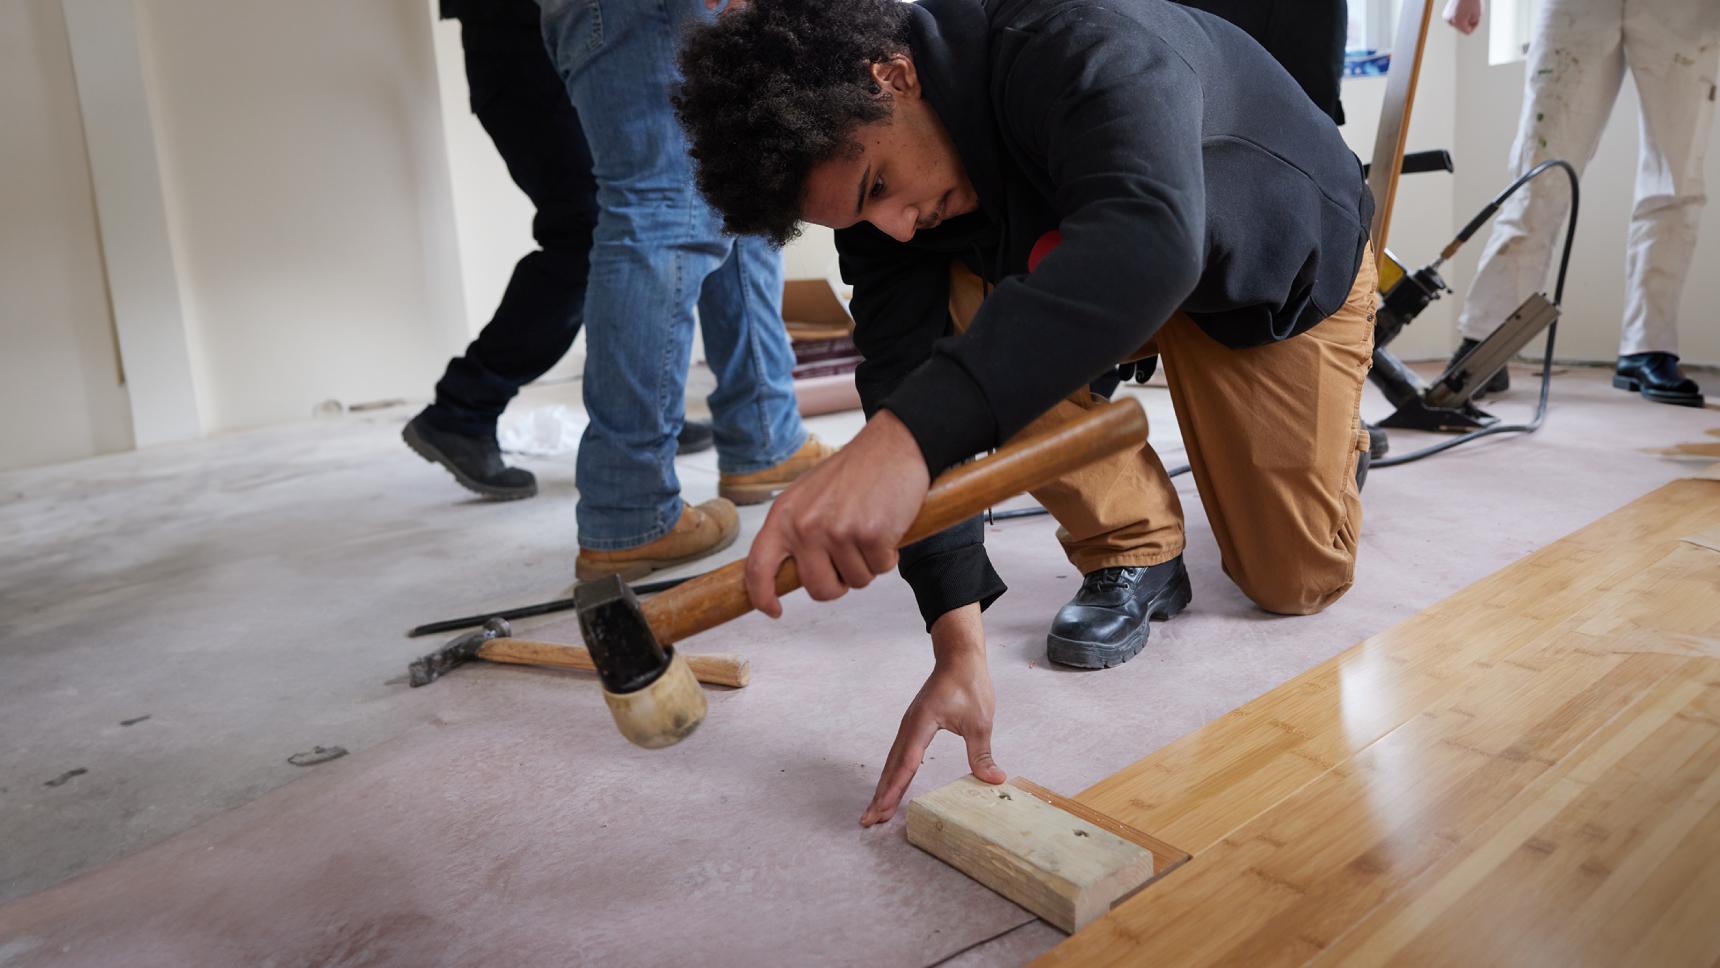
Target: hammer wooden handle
x,y
715,669
957,494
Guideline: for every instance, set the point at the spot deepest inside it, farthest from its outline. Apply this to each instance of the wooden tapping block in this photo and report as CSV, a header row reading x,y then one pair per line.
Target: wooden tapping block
x,y
1061,867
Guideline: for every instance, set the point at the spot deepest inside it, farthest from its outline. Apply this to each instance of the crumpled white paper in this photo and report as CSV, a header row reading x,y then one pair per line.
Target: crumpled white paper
x,y
552,431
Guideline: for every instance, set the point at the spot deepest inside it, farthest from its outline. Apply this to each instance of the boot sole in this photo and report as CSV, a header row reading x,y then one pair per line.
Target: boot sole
x,y
1675,399
745,494
423,449
635,569
1092,655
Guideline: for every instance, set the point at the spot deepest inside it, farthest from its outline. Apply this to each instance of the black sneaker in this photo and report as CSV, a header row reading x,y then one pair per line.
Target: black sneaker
x,y
1105,624
1657,377
696,435
476,462
1500,382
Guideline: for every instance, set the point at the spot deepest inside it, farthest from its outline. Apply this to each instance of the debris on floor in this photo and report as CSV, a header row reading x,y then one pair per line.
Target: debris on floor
x,y
320,754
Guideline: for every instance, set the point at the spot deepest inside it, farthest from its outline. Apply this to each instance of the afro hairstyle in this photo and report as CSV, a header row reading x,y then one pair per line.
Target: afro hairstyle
x,y
774,88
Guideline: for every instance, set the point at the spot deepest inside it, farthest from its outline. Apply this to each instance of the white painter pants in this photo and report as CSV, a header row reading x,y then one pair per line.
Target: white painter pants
x,y
1576,64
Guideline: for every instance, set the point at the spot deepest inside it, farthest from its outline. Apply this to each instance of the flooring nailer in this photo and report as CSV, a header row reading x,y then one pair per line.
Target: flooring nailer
x,y
1445,404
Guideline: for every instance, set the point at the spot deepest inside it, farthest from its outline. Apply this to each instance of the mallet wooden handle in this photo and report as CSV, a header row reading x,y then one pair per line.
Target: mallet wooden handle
x,y
957,494
715,669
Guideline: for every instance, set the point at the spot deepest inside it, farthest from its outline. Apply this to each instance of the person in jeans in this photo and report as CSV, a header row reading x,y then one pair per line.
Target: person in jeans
x,y
630,250
658,253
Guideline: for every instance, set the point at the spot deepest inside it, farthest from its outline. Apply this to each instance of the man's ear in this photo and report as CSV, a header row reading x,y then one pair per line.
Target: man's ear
x,y
896,77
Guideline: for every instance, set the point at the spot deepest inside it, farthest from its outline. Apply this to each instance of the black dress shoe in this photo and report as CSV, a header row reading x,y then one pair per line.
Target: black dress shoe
x,y
696,435
476,462
1378,443
1500,382
1105,624
1657,377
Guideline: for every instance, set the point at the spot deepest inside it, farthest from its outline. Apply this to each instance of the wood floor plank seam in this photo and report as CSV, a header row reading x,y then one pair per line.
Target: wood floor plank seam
x,y
1470,869
1404,801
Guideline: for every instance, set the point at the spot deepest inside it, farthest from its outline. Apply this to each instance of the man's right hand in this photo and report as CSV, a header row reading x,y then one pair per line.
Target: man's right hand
x,y
1465,15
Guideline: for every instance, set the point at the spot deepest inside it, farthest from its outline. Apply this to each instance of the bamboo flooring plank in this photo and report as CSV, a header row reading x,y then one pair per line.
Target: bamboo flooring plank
x,y
1196,789
1294,879
1580,855
1709,539
1526,773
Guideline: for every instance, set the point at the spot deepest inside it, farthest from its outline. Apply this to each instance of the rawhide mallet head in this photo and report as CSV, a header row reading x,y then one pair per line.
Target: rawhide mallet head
x,y
651,691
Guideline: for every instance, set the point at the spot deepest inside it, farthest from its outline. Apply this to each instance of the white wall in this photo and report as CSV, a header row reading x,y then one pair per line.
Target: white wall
x,y
1488,100
307,191
60,392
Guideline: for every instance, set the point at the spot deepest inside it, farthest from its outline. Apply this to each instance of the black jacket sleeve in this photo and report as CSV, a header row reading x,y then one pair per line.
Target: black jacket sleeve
x,y
1118,127
901,308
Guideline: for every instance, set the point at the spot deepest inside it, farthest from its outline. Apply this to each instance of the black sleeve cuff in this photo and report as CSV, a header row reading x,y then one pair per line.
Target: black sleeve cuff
x,y
946,411
951,569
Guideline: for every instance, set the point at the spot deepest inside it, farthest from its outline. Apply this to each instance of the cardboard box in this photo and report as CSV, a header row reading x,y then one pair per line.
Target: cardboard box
x,y
812,309
816,314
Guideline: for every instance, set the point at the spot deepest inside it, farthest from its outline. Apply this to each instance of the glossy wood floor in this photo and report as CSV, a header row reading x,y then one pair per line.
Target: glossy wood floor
x,y
1527,773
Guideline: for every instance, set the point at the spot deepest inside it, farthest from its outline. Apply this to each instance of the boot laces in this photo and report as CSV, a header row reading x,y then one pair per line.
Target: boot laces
x,y
1108,578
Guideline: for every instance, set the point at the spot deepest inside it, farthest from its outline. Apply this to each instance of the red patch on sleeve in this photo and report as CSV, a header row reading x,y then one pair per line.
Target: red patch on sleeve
x,y
1043,247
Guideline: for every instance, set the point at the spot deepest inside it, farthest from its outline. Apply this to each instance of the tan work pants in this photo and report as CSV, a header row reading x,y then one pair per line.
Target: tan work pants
x,y
1273,436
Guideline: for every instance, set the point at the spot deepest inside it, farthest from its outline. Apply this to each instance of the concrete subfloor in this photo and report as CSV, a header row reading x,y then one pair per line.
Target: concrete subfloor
x,y
248,594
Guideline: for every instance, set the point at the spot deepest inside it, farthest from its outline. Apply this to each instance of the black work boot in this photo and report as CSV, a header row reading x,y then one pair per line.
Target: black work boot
x,y
1500,382
476,462
1378,444
1657,377
696,435
1105,624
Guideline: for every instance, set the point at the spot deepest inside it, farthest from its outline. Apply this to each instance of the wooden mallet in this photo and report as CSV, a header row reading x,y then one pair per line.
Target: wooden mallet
x,y
651,689
495,642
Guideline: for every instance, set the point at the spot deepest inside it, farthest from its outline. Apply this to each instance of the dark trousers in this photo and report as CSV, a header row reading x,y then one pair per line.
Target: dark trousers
x,y
522,104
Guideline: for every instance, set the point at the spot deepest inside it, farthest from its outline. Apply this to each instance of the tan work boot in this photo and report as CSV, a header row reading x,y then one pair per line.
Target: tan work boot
x,y
703,530
761,486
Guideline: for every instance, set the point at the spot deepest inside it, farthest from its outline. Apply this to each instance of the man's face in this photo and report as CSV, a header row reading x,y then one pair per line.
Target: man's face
x,y
907,175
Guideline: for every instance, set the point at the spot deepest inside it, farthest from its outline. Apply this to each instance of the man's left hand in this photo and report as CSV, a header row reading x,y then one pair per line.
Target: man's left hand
x,y
957,697
842,521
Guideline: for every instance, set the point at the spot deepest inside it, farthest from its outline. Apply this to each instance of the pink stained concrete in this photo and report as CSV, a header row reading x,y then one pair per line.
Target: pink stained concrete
x,y
518,829
523,831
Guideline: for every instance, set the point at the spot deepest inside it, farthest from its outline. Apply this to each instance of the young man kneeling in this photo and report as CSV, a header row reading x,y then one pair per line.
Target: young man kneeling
x,y
1026,193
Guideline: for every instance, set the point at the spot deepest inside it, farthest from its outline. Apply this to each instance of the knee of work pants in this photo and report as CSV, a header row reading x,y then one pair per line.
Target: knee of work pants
x,y
1274,434
1302,589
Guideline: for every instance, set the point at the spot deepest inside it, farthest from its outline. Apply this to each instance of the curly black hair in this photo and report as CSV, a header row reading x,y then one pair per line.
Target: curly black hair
x,y
772,89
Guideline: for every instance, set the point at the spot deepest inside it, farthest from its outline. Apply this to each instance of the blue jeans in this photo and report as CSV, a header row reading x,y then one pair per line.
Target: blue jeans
x,y
658,252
